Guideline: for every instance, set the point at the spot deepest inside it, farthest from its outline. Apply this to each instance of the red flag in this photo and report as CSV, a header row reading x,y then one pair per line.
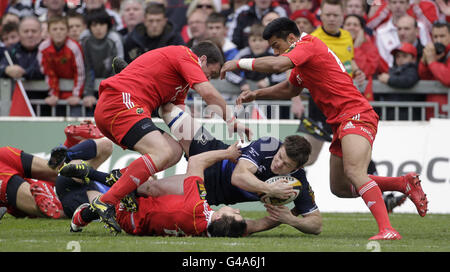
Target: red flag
x,y
20,105
256,112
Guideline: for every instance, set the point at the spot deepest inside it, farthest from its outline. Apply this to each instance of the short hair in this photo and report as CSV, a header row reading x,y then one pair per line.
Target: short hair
x,y
440,24
98,16
74,14
227,226
216,17
297,148
155,9
9,27
332,2
281,28
256,30
210,50
57,19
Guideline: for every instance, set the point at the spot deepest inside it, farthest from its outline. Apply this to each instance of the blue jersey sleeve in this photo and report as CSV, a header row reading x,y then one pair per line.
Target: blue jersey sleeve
x,y
260,149
305,203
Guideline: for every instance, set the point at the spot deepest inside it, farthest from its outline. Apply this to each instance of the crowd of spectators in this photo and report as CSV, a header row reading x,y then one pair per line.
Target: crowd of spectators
x,y
398,42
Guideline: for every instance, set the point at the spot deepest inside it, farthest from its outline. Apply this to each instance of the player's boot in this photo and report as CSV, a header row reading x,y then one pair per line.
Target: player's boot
x,y
415,193
57,157
77,223
107,213
393,201
46,200
80,170
113,177
77,133
129,202
387,234
118,64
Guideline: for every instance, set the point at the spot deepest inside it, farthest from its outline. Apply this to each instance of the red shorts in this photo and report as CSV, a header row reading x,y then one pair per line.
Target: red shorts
x,y
10,165
116,113
364,124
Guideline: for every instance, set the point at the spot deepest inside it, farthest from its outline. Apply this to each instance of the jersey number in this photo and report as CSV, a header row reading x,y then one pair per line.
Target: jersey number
x,y
337,60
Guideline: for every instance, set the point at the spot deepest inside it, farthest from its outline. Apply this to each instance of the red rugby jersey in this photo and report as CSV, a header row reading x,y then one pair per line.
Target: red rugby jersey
x,y
174,215
159,76
319,70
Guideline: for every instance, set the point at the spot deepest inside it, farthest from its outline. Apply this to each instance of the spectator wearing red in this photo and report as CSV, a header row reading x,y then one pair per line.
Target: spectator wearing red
x,y
62,57
306,20
366,53
435,63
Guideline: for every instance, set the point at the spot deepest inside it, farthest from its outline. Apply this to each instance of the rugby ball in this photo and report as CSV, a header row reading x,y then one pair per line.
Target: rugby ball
x,y
294,182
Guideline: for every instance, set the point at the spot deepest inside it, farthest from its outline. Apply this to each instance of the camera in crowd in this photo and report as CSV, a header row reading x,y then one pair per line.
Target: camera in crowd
x,y
439,47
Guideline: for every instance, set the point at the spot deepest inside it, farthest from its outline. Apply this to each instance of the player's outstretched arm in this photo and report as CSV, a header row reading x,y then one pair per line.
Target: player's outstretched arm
x,y
198,163
269,64
309,224
281,91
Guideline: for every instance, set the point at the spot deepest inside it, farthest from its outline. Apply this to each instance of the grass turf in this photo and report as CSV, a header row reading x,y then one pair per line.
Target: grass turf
x,y
341,232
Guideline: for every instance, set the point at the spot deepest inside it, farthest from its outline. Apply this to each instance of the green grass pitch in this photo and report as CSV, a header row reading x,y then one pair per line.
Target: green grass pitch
x,y
342,232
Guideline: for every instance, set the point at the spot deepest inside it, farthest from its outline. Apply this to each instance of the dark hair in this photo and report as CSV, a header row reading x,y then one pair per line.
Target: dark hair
x,y
297,148
280,28
439,24
99,16
216,17
9,27
210,50
361,20
155,9
227,226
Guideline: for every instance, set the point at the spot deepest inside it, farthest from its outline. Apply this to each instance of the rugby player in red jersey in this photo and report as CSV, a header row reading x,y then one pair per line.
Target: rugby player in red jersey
x,y
123,112
187,214
353,120
21,195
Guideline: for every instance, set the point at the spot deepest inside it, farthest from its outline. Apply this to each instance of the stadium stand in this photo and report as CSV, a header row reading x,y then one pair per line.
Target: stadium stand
x,y
423,87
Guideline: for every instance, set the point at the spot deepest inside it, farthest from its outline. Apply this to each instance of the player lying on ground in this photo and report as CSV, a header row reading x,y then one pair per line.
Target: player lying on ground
x,y
127,99
28,181
26,185
229,182
177,215
354,122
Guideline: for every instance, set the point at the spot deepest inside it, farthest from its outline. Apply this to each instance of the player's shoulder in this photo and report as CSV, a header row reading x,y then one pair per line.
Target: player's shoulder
x,y
264,146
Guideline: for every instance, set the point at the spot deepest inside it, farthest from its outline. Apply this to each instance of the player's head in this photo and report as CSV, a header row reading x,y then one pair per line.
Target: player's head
x,y
293,153
227,222
281,34
211,58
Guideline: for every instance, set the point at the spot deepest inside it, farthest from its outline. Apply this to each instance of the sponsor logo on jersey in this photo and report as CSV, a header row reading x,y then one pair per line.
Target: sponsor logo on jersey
x,y
201,189
349,125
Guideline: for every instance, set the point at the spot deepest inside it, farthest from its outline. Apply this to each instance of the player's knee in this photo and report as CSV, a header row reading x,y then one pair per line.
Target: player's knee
x,y
104,147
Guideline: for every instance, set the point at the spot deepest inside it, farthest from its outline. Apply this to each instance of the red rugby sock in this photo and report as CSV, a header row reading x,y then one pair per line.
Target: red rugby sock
x,y
372,196
137,173
390,183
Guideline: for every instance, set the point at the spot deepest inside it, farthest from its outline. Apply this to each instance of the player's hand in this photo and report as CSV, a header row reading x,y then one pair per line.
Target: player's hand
x,y
230,65
246,96
240,129
280,213
280,189
234,152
